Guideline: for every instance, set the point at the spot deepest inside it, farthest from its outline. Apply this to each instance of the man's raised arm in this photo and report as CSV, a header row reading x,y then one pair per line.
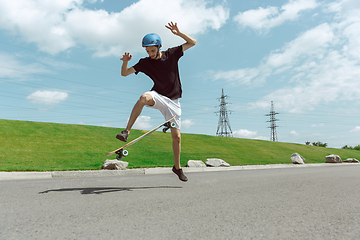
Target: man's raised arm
x,y
125,71
190,42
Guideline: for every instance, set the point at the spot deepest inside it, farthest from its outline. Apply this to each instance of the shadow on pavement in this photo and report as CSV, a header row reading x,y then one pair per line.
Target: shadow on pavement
x,y
101,190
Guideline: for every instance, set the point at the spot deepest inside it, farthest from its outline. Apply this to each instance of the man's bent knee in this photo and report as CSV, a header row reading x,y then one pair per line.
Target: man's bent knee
x,y
146,99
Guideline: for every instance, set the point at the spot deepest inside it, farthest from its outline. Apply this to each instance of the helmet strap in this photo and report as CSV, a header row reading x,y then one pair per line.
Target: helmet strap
x,y
157,54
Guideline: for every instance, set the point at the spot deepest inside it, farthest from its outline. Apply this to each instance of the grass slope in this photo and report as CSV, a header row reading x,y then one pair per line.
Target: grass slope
x,y
34,146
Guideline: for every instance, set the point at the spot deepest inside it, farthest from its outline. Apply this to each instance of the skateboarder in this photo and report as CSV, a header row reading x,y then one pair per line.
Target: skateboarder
x,y
162,68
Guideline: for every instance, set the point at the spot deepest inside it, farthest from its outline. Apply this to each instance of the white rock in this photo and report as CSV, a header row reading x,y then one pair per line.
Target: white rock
x,y
351,160
215,162
195,163
297,159
333,159
114,165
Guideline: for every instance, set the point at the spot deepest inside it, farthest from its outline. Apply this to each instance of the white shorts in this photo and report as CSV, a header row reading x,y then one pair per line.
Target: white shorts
x,y
167,107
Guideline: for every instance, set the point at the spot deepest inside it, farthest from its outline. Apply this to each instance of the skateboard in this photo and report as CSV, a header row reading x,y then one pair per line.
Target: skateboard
x,y
121,152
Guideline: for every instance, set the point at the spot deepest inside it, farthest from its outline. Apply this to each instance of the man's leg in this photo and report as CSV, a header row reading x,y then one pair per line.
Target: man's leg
x,y
176,141
176,144
145,99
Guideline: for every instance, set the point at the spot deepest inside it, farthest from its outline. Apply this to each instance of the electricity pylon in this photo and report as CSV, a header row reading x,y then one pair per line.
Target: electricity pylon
x,y
223,129
272,121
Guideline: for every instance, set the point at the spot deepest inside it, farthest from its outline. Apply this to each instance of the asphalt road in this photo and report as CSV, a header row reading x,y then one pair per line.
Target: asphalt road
x,y
293,203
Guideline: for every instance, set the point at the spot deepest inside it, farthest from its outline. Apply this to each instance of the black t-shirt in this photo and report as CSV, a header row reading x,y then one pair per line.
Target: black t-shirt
x,y
164,72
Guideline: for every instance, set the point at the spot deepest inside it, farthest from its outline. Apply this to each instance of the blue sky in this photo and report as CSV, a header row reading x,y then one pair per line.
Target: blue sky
x,y
59,62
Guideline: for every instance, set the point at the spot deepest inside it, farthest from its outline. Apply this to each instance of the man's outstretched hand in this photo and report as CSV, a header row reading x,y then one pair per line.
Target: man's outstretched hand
x,y
173,28
126,57
190,42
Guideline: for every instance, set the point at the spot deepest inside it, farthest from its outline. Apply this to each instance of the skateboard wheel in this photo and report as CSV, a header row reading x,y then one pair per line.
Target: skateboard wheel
x,y
172,124
165,129
119,157
125,153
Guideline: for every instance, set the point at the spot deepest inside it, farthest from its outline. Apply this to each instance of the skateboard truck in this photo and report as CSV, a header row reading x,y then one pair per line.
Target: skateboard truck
x,y
121,153
168,125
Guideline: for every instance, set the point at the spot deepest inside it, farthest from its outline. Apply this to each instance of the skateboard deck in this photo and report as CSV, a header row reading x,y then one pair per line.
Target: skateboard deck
x,y
121,152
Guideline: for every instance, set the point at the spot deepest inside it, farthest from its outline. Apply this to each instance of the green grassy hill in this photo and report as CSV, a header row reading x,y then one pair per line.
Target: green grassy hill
x,y
34,146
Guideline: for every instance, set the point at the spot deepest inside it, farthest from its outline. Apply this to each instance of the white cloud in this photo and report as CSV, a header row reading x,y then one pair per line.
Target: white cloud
x,y
263,19
59,25
143,122
13,69
344,8
356,130
47,97
17,67
39,21
312,43
322,65
352,33
244,133
294,133
262,138
334,78
187,123
246,76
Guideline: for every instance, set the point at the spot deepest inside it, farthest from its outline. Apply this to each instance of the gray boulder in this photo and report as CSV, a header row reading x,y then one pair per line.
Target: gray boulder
x,y
215,162
333,159
351,160
114,165
297,159
195,163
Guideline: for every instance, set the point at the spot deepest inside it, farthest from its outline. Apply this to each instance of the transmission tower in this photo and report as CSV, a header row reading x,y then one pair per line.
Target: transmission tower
x,y
272,121
223,129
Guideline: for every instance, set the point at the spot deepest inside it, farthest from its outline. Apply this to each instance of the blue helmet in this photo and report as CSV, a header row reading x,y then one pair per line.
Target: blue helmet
x,y
151,39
